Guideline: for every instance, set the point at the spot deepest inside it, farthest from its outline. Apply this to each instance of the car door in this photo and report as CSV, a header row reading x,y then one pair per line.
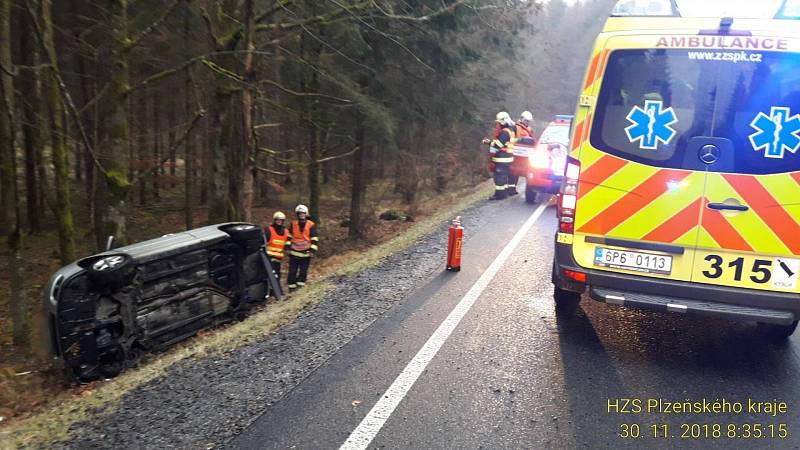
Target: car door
x,y
750,225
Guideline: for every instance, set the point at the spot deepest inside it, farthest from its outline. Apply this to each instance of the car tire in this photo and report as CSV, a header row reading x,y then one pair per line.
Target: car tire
x,y
531,196
776,331
566,301
243,232
112,270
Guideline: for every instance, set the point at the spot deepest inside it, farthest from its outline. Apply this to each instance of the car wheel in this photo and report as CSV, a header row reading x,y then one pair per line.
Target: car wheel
x,y
778,331
530,196
243,232
566,301
111,270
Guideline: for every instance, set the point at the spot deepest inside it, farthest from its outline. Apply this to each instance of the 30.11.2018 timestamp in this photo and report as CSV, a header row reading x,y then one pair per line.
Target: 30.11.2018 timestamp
x,y
705,431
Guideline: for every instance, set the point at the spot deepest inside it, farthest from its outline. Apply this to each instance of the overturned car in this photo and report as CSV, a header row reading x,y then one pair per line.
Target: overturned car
x,y
105,310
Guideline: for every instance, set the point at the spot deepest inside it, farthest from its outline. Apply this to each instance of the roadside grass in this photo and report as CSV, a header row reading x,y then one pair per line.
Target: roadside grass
x,y
69,407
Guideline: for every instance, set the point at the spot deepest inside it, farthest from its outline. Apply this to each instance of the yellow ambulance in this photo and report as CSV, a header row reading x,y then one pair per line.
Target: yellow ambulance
x,y
682,189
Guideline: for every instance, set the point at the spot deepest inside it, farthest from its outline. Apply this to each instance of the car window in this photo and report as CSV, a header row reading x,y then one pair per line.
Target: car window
x,y
555,134
654,102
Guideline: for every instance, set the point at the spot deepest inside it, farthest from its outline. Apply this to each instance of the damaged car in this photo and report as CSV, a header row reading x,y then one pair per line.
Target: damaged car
x,y
106,310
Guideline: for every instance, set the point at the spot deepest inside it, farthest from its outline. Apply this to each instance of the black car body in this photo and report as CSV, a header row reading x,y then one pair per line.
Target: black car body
x,y
106,309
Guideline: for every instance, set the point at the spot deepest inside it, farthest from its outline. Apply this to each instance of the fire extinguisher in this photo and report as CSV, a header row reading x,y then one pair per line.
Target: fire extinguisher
x,y
454,243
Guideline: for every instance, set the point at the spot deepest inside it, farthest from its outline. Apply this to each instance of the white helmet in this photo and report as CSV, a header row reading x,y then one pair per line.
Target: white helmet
x,y
502,117
301,209
278,216
526,115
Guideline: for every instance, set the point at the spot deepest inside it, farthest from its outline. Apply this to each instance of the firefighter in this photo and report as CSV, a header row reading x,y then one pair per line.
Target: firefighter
x,y
277,235
524,125
501,153
303,243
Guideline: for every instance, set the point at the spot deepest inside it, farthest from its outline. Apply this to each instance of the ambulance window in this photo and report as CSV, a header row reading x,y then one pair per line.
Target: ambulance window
x,y
650,103
653,102
757,109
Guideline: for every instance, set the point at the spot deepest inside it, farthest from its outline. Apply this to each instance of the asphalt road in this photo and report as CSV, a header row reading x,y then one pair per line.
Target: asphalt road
x,y
513,374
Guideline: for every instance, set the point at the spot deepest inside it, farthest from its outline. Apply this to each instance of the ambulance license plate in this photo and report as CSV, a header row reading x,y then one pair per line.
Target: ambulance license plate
x,y
639,262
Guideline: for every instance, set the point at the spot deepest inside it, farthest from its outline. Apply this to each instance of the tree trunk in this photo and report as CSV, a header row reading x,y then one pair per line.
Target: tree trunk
x,y
63,205
314,187
11,225
171,124
32,135
143,144
115,159
245,201
312,50
219,205
88,89
357,230
188,145
157,168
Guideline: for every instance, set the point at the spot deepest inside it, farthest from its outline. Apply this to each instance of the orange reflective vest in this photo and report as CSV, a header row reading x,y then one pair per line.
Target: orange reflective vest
x,y
523,130
301,239
277,242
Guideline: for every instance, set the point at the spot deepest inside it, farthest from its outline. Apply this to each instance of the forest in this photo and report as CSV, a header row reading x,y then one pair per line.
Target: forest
x,y
134,118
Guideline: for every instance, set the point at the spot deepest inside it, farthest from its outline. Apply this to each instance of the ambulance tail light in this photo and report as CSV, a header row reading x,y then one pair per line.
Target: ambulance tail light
x,y
568,197
580,277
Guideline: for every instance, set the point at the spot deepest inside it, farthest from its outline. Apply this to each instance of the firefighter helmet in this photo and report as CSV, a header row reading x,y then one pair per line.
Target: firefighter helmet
x,y
301,209
279,216
526,115
502,117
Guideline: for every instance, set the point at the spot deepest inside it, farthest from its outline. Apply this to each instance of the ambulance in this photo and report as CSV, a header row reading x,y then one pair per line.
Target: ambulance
x,y
682,185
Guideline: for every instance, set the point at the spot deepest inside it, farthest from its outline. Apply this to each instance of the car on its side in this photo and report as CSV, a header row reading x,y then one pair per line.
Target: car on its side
x,y
105,310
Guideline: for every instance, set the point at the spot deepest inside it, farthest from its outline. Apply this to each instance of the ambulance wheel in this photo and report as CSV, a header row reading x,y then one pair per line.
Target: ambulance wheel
x,y
566,301
778,331
531,196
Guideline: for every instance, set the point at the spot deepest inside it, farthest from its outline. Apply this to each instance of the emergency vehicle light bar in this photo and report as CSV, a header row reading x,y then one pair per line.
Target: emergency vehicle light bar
x,y
564,118
790,9
651,8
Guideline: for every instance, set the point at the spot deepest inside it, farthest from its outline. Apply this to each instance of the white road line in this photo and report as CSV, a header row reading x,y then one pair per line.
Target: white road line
x,y
369,427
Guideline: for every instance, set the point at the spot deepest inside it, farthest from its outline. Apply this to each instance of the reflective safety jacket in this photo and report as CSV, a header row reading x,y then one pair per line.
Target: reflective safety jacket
x,y
502,147
523,130
303,239
277,238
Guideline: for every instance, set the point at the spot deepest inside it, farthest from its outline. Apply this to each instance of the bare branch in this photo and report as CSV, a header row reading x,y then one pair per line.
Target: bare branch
x,y
163,74
390,38
331,158
267,125
270,171
337,51
178,142
281,4
145,32
284,26
426,18
304,94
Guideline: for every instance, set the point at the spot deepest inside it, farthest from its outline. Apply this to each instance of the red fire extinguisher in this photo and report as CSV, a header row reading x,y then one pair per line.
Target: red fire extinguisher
x,y
454,243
